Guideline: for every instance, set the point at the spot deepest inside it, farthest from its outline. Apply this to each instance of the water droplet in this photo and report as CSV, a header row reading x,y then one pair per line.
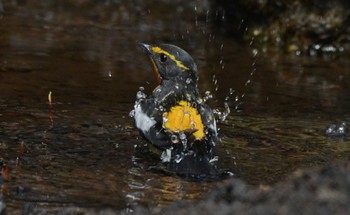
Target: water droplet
x,y
214,159
226,112
223,115
158,90
183,139
336,130
193,124
255,52
165,119
207,96
174,139
178,158
166,155
251,41
329,48
140,95
207,16
231,91
252,73
132,114
215,81
228,173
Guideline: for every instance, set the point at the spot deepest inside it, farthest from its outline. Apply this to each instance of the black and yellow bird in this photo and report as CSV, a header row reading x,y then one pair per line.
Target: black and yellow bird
x,y
174,117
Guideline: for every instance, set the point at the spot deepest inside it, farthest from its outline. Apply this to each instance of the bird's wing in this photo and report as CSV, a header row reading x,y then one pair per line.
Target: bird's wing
x,y
148,119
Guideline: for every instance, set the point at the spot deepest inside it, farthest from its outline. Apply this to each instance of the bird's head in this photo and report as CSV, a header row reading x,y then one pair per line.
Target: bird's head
x,y
172,63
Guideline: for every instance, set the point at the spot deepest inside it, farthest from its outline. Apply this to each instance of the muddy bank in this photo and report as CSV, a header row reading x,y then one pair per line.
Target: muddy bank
x,y
320,190
323,190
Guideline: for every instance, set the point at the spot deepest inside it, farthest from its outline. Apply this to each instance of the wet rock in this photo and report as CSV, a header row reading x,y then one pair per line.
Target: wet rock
x,y
323,190
311,27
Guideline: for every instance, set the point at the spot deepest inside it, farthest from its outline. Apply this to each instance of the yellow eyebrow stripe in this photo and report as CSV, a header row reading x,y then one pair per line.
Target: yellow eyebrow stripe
x,y
158,50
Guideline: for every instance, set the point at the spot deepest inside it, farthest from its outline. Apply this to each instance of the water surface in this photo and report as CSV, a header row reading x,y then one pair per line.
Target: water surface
x,y
94,157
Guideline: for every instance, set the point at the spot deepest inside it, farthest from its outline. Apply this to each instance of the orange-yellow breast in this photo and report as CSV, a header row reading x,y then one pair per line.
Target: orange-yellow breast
x,y
183,117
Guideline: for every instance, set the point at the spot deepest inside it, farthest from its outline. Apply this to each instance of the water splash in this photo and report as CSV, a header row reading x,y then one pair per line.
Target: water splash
x,y
140,95
222,115
237,99
255,53
214,159
336,130
132,113
207,96
230,93
166,155
178,158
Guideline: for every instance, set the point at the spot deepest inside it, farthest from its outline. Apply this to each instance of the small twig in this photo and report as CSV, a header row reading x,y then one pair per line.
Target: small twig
x,y
50,109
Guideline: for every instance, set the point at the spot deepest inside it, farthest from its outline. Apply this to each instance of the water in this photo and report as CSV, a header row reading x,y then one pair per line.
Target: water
x,y
89,60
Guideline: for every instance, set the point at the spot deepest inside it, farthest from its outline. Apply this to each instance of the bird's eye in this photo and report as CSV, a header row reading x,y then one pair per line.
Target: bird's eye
x,y
163,57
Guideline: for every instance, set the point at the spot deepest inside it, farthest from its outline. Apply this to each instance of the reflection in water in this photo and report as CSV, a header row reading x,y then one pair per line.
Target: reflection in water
x,y
86,54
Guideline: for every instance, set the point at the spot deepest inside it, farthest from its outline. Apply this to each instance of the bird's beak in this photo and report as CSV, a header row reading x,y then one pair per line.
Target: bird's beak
x,y
146,47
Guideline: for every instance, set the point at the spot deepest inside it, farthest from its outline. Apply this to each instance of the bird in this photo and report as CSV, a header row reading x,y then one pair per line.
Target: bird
x,y
174,118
